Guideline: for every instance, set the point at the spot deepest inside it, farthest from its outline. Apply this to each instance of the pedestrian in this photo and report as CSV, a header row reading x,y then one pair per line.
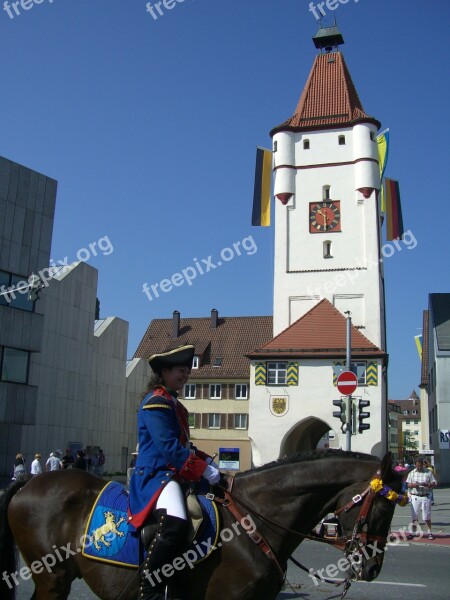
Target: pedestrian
x,y
166,459
101,459
80,461
36,467
420,481
53,462
19,466
67,460
431,468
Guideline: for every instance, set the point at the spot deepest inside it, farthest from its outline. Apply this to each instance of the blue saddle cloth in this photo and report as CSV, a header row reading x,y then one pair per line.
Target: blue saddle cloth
x,y
109,539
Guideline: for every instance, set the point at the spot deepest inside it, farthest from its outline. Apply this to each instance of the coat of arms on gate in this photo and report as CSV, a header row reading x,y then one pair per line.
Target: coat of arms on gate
x,y
279,405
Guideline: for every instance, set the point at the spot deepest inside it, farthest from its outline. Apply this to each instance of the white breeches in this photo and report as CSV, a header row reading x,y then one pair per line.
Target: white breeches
x,y
171,498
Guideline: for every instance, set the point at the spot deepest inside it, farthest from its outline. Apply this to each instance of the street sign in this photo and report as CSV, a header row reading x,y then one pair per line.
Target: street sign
x,y
347,382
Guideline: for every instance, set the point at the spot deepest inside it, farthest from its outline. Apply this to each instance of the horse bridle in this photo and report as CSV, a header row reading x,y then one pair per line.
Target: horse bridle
x,y
358,541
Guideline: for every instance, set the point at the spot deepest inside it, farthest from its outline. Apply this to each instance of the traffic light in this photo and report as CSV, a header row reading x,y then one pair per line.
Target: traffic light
x,y
35,286
340,414
362,414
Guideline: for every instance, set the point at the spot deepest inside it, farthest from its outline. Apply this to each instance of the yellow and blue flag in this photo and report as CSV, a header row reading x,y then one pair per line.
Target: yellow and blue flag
x,y
262,192
418,339
383,152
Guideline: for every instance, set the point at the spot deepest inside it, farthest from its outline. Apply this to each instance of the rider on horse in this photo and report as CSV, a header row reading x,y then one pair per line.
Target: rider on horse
x,y
166,459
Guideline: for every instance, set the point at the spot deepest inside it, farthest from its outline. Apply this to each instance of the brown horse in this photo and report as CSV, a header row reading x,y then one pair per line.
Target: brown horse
x,y
47,516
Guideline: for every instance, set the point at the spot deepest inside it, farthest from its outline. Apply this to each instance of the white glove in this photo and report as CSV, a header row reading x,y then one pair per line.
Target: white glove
x,y
211,474
212,462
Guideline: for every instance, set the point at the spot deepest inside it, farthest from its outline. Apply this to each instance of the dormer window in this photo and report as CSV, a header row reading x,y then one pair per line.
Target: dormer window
x,y
341,140
195,362
217,361
305,144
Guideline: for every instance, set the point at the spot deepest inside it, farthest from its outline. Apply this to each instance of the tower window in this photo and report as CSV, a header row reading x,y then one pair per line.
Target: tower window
x,y
275,146
372,136
305,144
327,249
341,139
326,192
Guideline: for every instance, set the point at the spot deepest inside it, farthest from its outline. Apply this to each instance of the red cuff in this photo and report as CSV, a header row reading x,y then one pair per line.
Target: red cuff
x,y
202,455
193,468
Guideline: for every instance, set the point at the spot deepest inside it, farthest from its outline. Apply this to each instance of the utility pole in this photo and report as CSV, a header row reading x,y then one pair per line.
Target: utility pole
x,y
348,364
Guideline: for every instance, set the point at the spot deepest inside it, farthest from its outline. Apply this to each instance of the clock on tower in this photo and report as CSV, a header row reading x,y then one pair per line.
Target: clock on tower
x,y
325,217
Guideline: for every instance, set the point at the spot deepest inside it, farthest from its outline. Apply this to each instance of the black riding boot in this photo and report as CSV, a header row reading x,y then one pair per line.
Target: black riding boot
x,y
165,546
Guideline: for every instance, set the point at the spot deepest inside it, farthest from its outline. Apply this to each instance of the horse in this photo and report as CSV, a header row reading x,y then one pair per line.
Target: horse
x,y
284,500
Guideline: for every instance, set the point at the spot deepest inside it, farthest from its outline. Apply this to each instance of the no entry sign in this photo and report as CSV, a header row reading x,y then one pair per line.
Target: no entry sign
x,y
347,382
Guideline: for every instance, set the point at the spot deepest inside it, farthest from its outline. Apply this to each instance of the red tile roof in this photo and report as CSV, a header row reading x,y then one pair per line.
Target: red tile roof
x,y
328,99
321,332
231,340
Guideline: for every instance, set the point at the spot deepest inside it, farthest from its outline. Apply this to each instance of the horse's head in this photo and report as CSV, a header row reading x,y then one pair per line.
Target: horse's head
x,y
365,517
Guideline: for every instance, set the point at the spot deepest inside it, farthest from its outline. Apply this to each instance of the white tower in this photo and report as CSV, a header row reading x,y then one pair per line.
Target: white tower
x,y
327,262
327,226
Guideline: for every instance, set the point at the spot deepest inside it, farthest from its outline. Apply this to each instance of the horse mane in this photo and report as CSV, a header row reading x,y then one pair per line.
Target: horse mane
x,y
310,455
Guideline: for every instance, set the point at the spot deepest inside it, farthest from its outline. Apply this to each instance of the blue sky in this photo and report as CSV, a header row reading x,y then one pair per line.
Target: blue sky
x,y
150,128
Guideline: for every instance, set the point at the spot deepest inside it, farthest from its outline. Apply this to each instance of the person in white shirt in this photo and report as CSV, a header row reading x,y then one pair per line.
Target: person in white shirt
x,y
420,481
53,463
36,467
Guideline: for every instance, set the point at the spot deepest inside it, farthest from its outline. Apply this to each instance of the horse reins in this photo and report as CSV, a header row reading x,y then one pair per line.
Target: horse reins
x,y
345,544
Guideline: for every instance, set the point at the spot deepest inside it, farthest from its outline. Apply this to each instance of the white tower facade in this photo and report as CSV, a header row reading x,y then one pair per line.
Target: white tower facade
x,y
327,225
327,261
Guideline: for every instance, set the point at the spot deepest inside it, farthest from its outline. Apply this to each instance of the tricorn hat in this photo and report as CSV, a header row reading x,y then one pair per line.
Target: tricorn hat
x,y
181,356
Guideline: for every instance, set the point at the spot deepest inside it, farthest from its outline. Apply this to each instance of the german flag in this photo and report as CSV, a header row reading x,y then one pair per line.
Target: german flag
x,y
394,218
262,192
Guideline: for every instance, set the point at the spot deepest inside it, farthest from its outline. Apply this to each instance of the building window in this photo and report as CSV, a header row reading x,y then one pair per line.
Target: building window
x,y
326,192
18,298
327,249
192,419
415,422
359,369
14,365
408,422
240,391
416,432
372,136
189,391
414,412
240,421
405,412
195,362
214,421
305,144
275,146
217,361
341,139
276,373
215,391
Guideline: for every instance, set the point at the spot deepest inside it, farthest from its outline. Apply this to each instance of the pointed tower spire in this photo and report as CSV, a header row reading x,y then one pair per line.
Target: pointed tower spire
x,y
329,97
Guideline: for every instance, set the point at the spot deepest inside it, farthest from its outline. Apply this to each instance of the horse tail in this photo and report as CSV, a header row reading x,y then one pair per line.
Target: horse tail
x,y
8,552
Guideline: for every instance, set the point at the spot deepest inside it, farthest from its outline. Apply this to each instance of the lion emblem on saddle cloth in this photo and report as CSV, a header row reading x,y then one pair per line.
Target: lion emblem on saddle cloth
x,y
110,527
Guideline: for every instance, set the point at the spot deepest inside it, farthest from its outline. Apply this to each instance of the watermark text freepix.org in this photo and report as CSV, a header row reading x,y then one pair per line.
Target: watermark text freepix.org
x,y
46,274
199,267
12,8
190,557
318,10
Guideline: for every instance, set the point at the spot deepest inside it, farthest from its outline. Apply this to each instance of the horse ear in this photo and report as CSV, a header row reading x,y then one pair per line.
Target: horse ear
x,y
386,466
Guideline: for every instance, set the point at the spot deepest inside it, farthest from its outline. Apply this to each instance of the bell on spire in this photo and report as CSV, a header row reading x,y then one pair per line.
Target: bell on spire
x,y
328,38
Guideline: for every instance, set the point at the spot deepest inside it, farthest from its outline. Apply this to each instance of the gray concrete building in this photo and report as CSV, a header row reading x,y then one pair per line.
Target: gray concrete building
x,y
64,374
27,206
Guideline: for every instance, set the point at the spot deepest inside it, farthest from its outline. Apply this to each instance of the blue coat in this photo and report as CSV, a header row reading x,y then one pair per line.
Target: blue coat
x,y
164,453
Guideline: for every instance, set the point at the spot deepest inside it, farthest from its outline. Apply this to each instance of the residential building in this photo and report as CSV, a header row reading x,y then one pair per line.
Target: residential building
x,y
410,430
437,388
